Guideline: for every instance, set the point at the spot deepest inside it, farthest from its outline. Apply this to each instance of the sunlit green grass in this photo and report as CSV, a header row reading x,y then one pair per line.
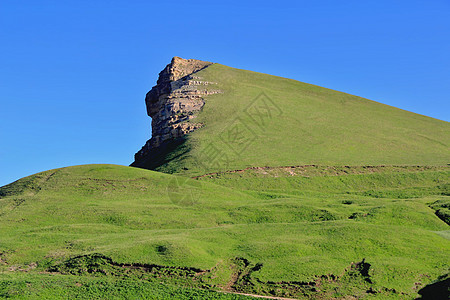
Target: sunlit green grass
x,y
25,286
376,187
296,226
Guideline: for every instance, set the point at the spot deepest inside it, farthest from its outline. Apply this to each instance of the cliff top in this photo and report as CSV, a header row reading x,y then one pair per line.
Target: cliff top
x,y
179,68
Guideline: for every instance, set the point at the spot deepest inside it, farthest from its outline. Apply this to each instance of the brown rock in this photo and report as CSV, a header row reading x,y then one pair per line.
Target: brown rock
x,y
173,101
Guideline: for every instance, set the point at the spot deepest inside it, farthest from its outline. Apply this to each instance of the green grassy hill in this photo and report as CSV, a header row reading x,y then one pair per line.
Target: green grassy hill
x,y
288,190
264,120
317,232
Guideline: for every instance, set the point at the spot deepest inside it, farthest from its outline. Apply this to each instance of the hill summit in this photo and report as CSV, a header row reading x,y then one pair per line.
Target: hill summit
x,y
207,117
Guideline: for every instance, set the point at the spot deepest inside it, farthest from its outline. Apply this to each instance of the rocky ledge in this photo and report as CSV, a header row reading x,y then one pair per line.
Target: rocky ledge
x,y
174,101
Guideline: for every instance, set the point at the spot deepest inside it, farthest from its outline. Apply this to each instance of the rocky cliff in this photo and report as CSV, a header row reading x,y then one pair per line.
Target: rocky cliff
x,y
173,102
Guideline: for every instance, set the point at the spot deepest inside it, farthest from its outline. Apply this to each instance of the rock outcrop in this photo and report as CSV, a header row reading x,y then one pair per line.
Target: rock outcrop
x,y
173,101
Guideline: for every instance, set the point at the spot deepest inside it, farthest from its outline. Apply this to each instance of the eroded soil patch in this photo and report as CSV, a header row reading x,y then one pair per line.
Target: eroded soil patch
x,y
355,280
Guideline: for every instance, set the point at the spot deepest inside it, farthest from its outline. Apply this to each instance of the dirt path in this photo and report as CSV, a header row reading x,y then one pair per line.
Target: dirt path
x,y
322,170
249,168
258,296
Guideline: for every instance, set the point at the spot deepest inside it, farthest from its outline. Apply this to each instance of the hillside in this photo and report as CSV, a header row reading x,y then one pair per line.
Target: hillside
x,y
317,233
250,185
251,119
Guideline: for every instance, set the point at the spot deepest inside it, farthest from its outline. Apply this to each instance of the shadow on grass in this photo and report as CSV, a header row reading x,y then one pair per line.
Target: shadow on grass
x,y
440,289
158,158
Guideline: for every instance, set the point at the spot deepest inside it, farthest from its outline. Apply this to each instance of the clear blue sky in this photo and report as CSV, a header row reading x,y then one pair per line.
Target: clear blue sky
x,y
73,74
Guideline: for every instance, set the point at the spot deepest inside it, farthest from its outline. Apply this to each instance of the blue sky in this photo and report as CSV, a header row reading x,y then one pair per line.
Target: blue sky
x,y
73,74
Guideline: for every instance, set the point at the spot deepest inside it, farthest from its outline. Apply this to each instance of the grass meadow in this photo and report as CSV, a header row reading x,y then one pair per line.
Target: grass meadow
x,y
242,232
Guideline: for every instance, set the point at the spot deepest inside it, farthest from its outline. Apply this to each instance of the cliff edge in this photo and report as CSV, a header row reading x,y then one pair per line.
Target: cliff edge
x,y
172,103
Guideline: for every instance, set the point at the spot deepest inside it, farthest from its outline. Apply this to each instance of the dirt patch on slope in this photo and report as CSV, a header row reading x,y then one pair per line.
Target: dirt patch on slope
x,y
317,170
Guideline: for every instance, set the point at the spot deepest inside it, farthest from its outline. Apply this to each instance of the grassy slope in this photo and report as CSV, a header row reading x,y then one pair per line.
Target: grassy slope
x,y
311,125
43,286
313,223
297,226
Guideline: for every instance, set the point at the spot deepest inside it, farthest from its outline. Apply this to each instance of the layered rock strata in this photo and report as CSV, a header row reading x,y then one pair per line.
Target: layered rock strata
x,y
174,101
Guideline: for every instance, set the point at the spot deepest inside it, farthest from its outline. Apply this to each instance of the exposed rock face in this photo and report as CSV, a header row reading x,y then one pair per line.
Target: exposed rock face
x,y
173,101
